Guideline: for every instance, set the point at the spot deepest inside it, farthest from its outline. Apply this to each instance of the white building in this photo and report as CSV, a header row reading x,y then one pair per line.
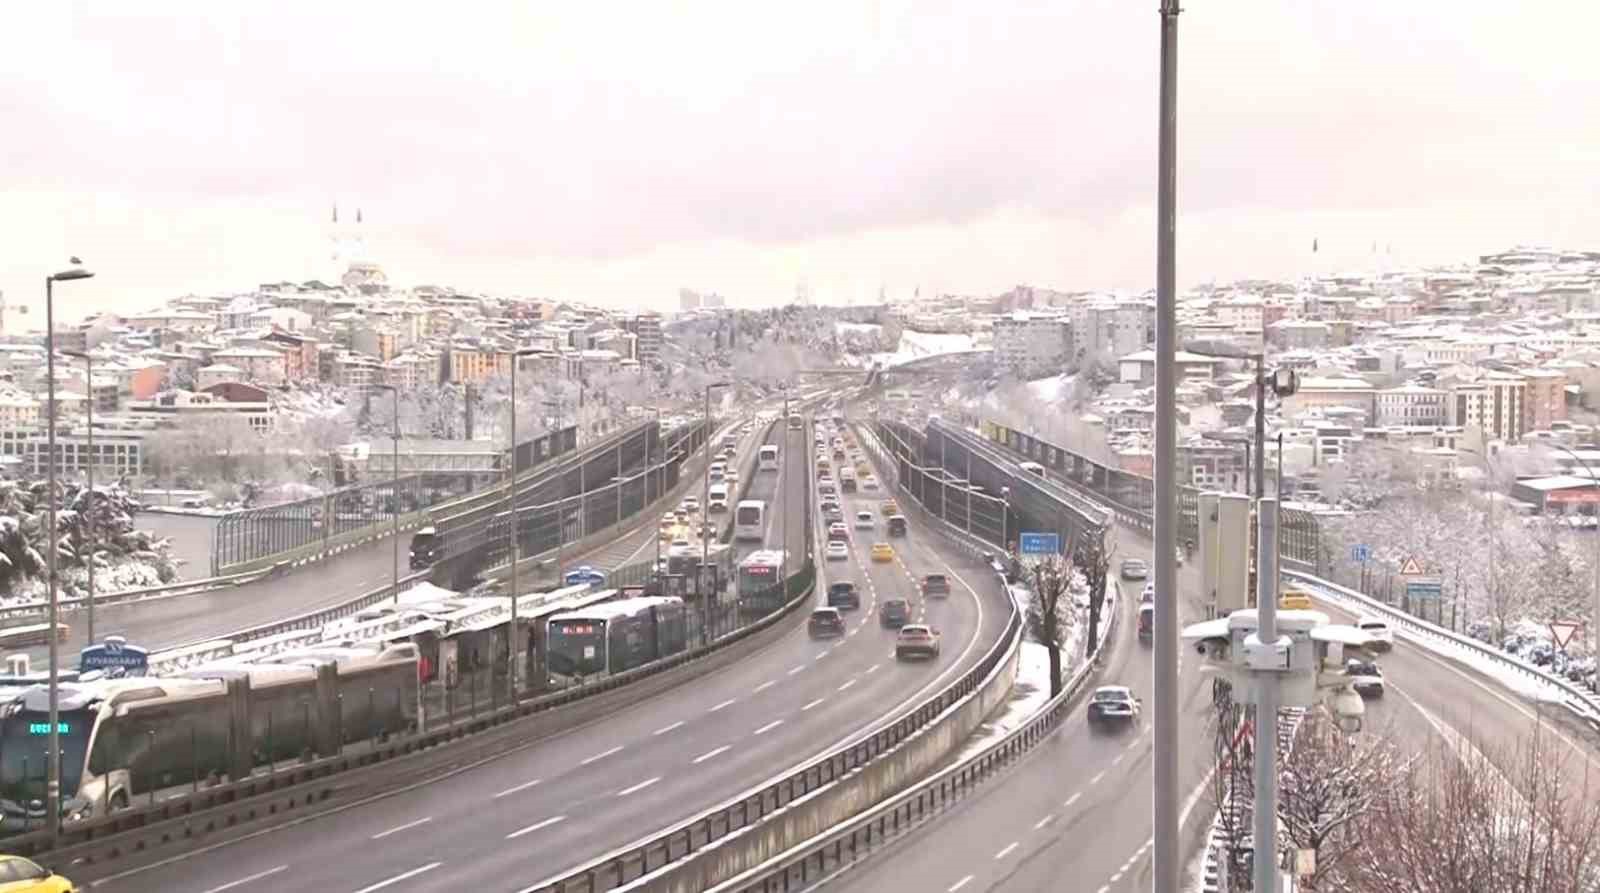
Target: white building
x,y
1412,404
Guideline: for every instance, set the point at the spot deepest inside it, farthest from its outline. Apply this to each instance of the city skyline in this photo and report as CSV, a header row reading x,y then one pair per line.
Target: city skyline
x,y
737,151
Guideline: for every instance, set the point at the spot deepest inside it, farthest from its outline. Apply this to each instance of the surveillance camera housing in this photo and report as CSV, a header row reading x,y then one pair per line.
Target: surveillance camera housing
x,y
1213,640
1347,708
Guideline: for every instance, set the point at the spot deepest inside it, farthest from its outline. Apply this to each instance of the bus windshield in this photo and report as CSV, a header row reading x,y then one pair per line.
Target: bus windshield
x,y
749,514
576,647
24,739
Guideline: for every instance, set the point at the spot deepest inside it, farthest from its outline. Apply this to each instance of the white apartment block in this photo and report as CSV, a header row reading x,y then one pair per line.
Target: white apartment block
x,y
1112,329
1412,404
1493,404
1031,346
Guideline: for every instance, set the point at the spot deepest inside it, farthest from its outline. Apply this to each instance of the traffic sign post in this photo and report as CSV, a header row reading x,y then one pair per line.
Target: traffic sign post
x,y
1564,631
1410,568
1361,553
1034,543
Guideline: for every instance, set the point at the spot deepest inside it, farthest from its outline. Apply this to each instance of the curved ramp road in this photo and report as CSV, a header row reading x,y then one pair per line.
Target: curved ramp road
x,y
1076,814
520,818
189,536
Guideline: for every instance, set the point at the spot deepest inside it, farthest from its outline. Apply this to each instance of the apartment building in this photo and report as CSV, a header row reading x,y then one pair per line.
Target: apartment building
x,y
646,328
468,363
1412,404
1495,403
1112,328
1324,393
1032,345
1546,401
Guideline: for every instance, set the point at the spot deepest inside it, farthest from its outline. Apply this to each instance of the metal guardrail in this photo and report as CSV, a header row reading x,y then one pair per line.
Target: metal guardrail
x,y
802,867
36,609
1584,703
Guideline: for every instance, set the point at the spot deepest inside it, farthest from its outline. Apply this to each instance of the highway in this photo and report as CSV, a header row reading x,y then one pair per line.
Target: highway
x,y
563,800
189,536
1078,809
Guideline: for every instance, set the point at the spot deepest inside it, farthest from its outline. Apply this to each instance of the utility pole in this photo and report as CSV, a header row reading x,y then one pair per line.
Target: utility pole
x,y
1165,850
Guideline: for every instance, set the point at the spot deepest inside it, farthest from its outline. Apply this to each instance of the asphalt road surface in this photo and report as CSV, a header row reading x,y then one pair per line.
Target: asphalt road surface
x,y
1077,814
190,537
565,800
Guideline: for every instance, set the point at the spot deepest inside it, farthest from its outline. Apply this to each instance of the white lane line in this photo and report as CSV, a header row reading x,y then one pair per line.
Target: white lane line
x,y
874,668
517,789
401,877
1119,758
728,703
536,826
847,685
821,656
398,828
1097,776
769,727
245,880
602,755
959,884
795,670
1005,852
1044,821
665,729
1073,799
709,754
638,787
810,705
765,685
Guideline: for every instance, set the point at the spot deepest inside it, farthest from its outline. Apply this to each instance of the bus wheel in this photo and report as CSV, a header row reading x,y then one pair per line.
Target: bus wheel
x,y
119,801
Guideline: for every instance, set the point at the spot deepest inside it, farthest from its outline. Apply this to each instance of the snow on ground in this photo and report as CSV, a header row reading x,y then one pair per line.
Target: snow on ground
x,y
858,328
916,345
1032,689
1052,389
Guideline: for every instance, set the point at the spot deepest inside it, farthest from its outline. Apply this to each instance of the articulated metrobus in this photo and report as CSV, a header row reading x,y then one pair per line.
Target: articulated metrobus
x,y
759,576
796,421
749,521
613,637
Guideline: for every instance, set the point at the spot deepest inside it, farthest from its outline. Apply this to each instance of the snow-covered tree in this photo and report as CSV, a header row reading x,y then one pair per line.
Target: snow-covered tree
x,y
1049,609
1328,789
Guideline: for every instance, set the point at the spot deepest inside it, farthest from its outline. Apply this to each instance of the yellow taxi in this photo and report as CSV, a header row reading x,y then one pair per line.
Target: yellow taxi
x,y
1294,600
19,875
890,507
882,552
669,525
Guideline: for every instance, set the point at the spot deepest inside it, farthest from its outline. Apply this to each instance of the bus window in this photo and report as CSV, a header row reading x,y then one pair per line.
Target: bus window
x,y
796,422
749,520
768,459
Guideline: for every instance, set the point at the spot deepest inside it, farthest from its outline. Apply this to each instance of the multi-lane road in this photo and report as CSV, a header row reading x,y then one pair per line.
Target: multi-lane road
x,y
1076,814
189,537
561,801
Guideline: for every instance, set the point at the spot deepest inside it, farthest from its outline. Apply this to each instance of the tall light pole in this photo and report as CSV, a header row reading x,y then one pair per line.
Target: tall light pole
x,y
705,496
661,481
394,486
1164,852
783,515
53,784
516,522
88,496
561,493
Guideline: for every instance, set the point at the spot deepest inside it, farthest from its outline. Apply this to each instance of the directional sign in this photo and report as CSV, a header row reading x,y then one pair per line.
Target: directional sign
x,y
1424,589
1563,631
115,657
1041,543
1410,567
1361,553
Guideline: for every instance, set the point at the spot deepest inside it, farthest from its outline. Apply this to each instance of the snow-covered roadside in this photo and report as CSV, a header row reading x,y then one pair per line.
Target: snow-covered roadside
x,y
1031,691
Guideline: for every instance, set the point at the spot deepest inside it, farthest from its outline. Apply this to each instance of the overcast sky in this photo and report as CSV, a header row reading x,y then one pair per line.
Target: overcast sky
x,y
618,151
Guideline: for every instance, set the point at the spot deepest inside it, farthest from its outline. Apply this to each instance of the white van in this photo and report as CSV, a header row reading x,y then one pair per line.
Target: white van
x,y
717,500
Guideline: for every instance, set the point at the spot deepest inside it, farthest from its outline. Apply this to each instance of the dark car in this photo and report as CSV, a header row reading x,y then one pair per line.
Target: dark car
x,y
935,584
1365,677
844,596
1113,705
825,623
832,514
894,613
897,525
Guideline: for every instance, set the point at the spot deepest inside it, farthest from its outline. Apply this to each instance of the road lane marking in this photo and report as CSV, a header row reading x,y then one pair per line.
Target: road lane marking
x,y
959,884
728,703
1098,775
821,656
600,756
666,729
398,828
847,685
709,754
874,668
765,685
1118,758
400,877
1044,821
810,705
517,789
795,670
536,826
1005,852
638,787
248,879
769,727
1073,799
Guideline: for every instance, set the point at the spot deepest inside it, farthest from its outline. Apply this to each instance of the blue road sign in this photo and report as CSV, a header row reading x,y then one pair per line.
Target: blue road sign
x,y
1424,590
1040,543
115,657
1360,553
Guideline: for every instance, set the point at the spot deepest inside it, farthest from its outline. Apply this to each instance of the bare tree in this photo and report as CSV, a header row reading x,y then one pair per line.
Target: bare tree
x,y
1232,783
1328,788
1452,822
1094,562
1050,609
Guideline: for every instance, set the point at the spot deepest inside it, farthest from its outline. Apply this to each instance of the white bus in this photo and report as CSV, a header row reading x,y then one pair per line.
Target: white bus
x,y
1032,468
768,458
796,421
749,521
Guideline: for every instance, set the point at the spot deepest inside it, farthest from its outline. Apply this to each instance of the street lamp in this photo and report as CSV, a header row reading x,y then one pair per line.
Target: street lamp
x,y
705,497
88,510
661,483
394,483
516,522
561,490
1283,382
53,783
